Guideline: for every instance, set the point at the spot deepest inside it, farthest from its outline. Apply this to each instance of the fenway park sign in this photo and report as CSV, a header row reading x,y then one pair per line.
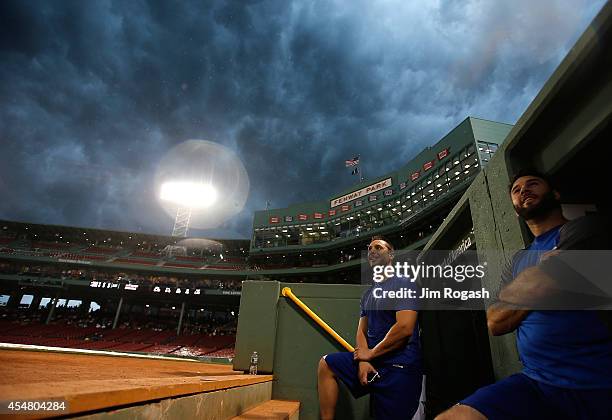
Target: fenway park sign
x,y
377,186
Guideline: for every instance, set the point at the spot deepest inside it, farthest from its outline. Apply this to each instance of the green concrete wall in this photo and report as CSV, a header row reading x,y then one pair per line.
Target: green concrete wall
x,y
300,343
284,336
257,325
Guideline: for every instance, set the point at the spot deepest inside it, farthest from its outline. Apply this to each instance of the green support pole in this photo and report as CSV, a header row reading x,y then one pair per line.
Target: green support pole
x,y
117,313
180,323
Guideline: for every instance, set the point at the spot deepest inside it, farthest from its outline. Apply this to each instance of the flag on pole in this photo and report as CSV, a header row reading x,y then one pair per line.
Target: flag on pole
x,y
352,162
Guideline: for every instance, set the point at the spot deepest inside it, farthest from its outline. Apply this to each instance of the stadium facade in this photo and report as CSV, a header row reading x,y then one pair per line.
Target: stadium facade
x,y
322,241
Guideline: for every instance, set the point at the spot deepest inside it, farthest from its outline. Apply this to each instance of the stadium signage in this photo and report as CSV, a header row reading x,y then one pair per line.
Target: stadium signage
x,y
442,154
274,219
318,215
463,246
372,188
65,260
332,212
428,165
402,185
160,289
177,291
111,285
104,284
302,217
415,176
288,218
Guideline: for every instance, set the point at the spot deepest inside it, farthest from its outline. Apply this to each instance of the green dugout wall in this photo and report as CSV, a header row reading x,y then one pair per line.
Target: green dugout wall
x,y
290,344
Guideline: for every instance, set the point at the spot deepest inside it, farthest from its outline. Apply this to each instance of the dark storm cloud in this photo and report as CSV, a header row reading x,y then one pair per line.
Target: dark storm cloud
x,y
93,94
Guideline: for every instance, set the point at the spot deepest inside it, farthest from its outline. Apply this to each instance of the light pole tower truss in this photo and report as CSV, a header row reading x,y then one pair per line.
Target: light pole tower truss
x,y
181,222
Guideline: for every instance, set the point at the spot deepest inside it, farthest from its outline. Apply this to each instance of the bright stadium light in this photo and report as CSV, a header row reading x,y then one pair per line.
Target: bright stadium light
x,y
189,194
201,184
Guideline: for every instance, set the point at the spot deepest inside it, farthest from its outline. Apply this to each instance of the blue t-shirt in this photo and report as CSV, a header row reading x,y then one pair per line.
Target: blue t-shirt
x,y
570,349
381,317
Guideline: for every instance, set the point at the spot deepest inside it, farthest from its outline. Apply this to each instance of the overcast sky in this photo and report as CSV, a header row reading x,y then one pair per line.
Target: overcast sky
x,y
94,93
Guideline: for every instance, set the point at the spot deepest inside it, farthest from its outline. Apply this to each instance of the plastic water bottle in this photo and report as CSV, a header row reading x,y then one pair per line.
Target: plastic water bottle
x,y
253,364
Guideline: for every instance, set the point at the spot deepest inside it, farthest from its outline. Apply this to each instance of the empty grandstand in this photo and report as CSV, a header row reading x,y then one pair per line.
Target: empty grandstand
x,y
94,289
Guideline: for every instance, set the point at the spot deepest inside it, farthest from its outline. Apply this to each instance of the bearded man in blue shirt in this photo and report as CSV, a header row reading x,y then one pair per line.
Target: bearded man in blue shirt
x,y
566,354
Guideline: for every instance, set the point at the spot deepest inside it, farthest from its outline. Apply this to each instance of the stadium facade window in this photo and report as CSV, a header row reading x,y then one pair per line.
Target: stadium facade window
x,y
486,151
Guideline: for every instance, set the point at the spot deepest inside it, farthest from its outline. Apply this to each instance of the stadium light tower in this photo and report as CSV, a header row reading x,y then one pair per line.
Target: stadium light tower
x,y
200,184
187,196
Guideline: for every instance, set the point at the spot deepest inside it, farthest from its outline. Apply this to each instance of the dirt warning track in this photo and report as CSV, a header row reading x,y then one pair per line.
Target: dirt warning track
x,y
89,382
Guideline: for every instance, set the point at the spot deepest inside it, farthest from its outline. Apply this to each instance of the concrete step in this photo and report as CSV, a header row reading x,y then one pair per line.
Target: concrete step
x,y
272,410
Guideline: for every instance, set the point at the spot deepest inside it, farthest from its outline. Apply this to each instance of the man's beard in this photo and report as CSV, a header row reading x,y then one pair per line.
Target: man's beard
x,y
547,205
